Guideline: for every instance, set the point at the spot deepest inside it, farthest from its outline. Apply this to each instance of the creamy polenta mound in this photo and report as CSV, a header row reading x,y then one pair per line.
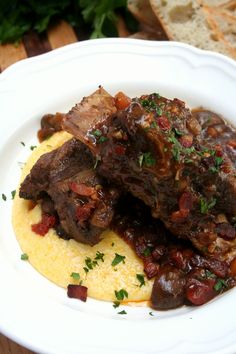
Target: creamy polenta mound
x,y
56,258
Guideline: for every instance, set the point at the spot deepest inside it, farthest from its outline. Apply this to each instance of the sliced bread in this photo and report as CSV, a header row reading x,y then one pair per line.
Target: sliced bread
x,y
206,24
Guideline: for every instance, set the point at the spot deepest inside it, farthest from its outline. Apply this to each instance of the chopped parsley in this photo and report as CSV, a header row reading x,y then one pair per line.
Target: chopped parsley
x,y
153,125
13,193
116,304
176,153
86,270
90,263
146,159
218,163
205,205
150,105
220,285
178,132
118,259
112,245
33,147
141,280
209,275
156,95
22,143
4,197
147,252
96,132
75,276
99,256
121,294
102,139
151,314
24,257
123,312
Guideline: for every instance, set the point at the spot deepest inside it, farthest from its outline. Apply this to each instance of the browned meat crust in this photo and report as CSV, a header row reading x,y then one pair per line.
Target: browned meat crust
x,y
82,200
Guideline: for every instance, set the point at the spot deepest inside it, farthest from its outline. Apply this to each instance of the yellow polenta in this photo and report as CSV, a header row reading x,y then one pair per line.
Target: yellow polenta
x,y
56,258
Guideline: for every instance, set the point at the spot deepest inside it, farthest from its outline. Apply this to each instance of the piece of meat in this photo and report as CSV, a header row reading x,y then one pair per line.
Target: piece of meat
x,y
62,179
77,292
93,109
154,149
50,124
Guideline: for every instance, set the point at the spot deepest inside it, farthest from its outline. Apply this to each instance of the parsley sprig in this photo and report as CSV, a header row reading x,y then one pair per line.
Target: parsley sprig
x,y
118,259
17,17
121,294
206,205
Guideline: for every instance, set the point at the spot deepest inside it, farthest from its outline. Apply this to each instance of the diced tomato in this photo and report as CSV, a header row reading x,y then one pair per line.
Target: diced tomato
x,y
120,149
163,123
122,101
81,189
186,141
77,292
42,228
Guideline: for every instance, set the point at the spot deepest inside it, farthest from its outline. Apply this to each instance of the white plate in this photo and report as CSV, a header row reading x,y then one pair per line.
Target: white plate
x,y
37,313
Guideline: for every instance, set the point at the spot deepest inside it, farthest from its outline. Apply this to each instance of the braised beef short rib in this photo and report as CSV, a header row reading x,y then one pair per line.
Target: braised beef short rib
x,y
65,180
154,149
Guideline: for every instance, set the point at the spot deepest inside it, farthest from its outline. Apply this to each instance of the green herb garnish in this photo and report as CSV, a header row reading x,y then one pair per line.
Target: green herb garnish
x,y
99,256
147,252
210,275
75,276
118,259
13,193
4,197
150,105
121,294
153,125
90,263
33,147
22,143
140,278
176,153
178,132
96,132
116,304
24,257
220,285
123,312
86,270
102,139
151,314
148,159
218,163
205,205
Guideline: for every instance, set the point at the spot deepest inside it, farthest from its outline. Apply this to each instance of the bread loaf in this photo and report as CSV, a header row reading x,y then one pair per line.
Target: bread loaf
x,y
206,24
